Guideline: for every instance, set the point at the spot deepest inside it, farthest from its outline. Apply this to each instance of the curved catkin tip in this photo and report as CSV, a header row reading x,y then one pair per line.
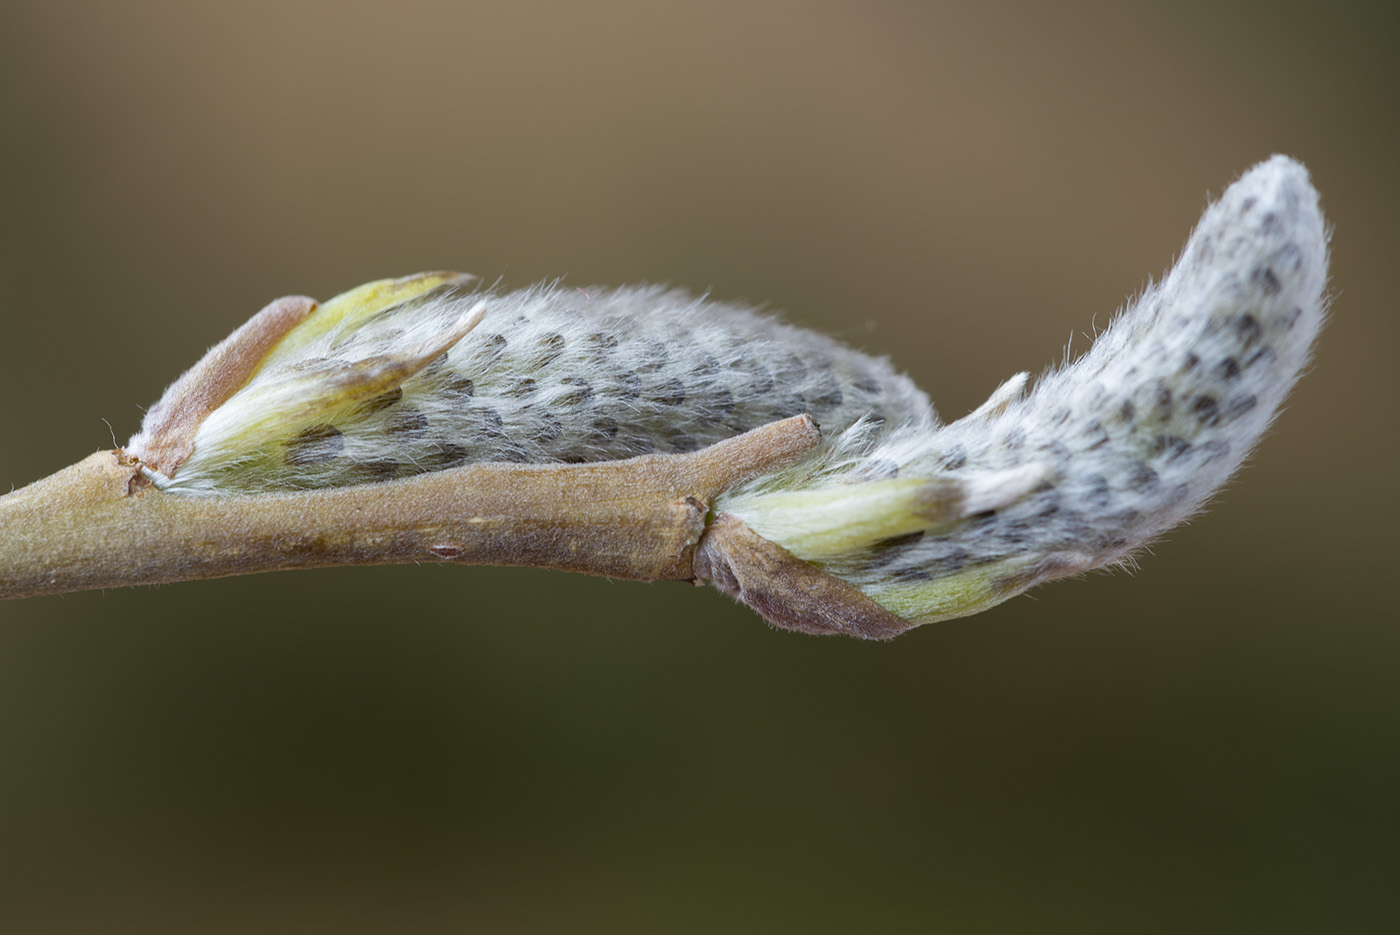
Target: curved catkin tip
x,y
1104,454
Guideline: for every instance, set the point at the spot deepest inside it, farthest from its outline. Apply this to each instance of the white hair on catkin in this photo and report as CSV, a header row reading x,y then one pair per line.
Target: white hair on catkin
x,y
1108,452
551,374
402,377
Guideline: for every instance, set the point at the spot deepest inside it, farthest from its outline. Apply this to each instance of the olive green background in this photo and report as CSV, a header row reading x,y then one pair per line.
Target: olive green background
x,y
1207,746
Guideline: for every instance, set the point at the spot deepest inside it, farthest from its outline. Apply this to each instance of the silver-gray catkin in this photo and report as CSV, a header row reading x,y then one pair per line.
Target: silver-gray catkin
x,y
1100,457
552,374
1113,449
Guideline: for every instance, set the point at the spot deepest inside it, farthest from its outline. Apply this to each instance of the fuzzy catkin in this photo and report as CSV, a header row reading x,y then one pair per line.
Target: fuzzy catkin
x,y
930,521
1115,448
551,374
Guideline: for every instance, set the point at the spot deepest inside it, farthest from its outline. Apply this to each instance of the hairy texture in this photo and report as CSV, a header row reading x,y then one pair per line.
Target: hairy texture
x,y
404,377
1104,454
544,375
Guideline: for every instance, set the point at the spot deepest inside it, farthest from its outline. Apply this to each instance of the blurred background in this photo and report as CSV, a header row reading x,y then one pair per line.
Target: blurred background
x,y
1207,746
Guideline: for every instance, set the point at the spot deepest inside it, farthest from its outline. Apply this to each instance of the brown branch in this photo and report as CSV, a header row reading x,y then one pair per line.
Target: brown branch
x,y
89,526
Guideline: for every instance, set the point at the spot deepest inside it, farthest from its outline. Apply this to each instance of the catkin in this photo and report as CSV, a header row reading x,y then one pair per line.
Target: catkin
x,y
930,521
550,375
1108,452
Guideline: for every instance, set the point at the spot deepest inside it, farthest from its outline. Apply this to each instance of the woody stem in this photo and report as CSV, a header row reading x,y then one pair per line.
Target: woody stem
x,y
90,526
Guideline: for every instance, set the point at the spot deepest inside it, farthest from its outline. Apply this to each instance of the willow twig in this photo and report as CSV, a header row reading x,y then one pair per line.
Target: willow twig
x,y
425,420
93,525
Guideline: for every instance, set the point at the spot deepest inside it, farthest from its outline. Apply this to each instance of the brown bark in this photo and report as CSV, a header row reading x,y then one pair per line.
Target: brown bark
x,y
88,526
788,592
